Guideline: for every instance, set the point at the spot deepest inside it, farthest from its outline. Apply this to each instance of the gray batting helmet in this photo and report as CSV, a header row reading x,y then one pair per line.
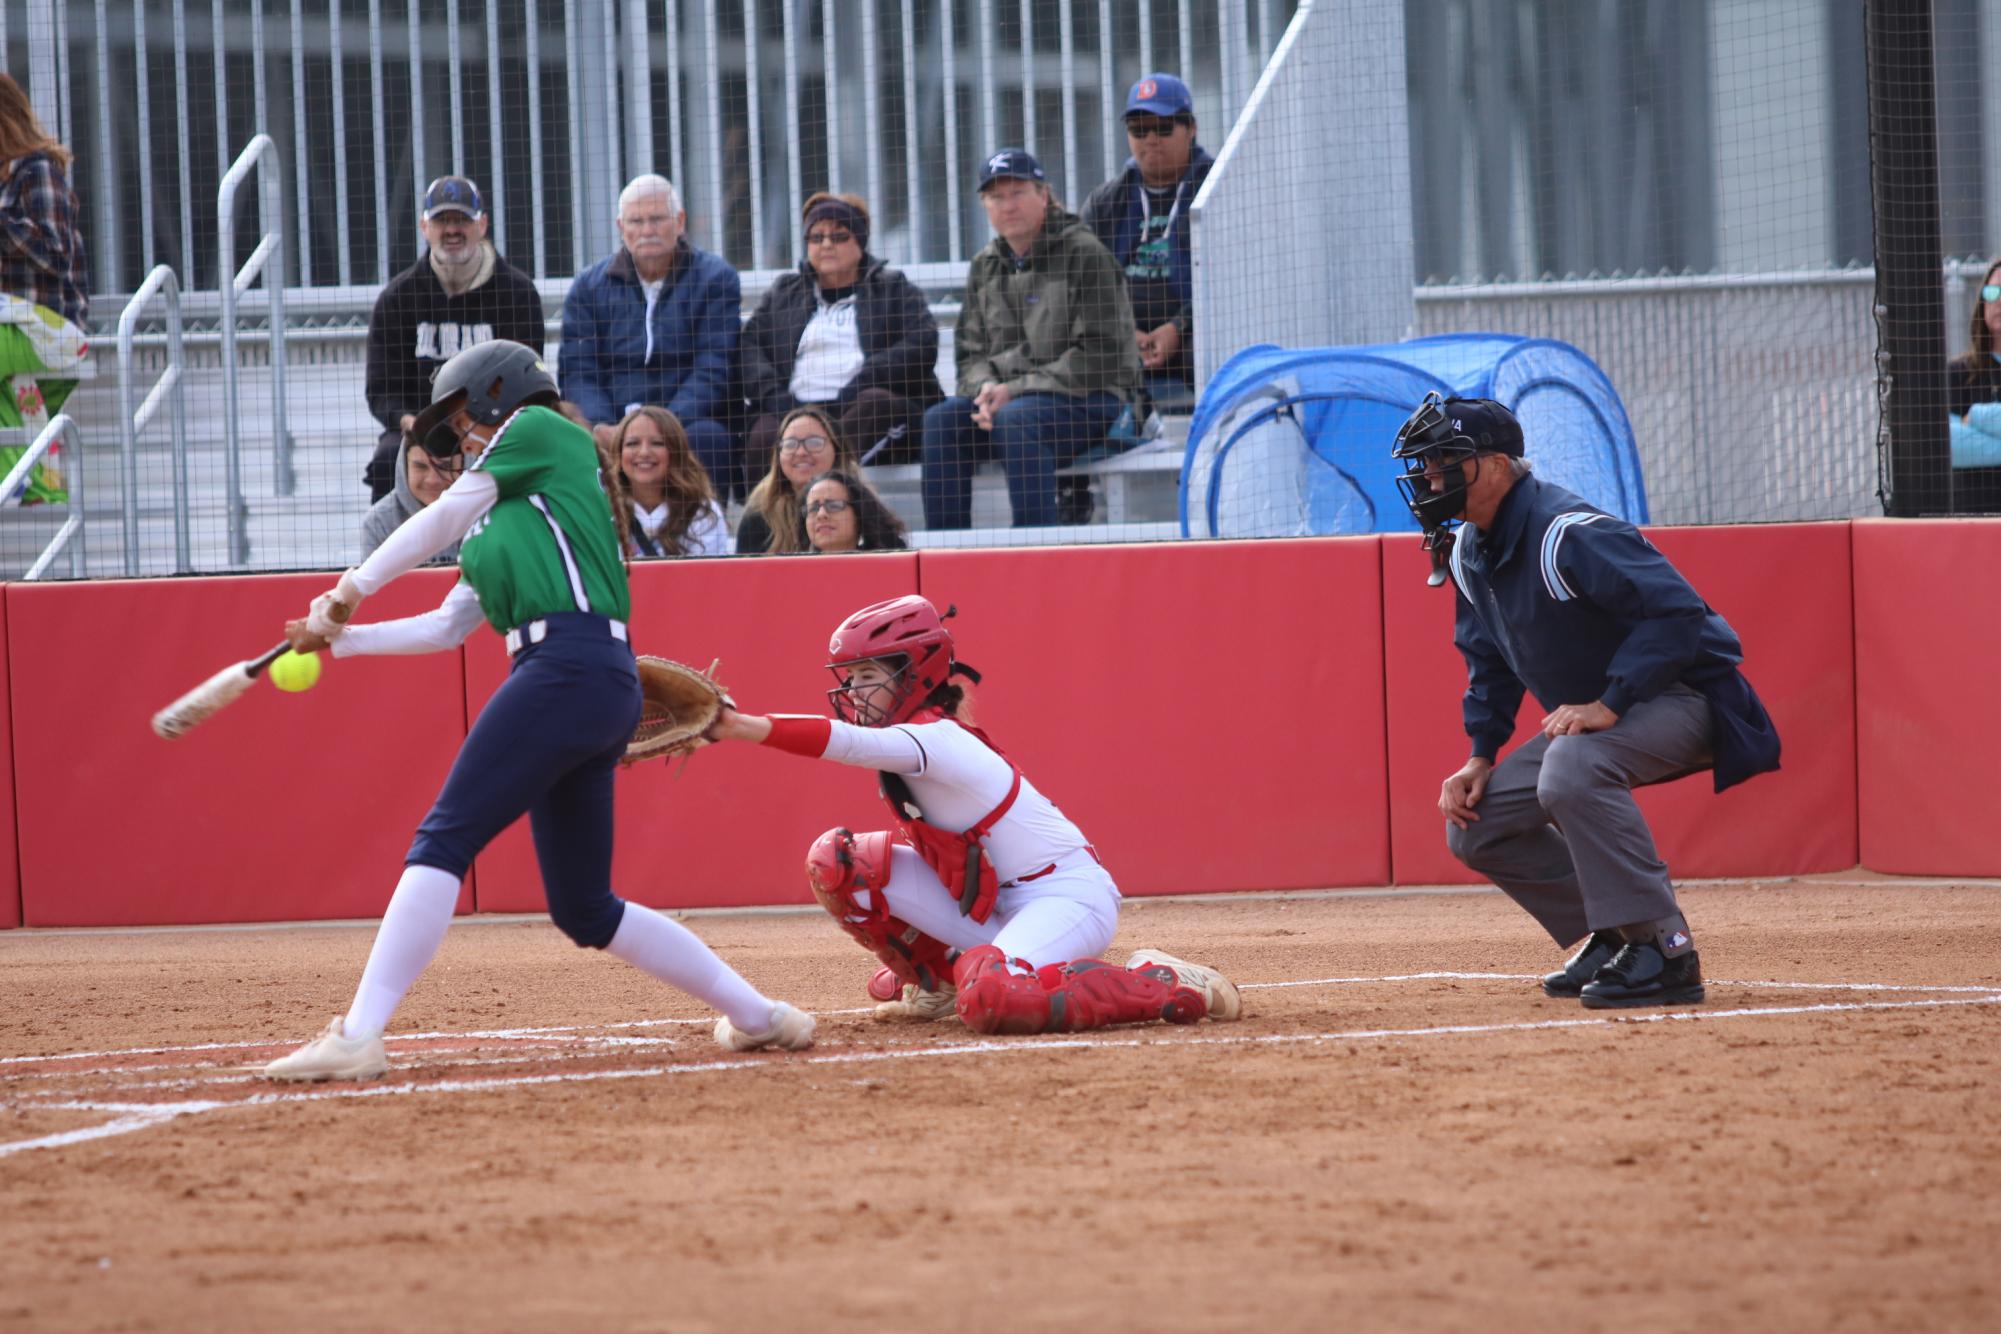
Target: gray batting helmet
x,y
488,381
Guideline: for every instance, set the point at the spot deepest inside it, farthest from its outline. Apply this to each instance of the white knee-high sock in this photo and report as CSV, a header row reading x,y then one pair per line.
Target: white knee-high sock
x,y
671,952
412,929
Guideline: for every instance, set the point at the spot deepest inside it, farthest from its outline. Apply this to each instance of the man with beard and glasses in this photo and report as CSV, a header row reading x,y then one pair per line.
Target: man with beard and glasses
x,y
458,294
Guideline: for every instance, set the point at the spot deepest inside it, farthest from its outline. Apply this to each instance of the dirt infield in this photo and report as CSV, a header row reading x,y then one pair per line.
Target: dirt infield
x,y
559,1142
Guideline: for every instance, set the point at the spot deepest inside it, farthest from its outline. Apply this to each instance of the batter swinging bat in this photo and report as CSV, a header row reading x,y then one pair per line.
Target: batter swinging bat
x,y
212,695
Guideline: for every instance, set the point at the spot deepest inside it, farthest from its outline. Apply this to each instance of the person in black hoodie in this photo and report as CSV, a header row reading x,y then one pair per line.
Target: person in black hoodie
x,y
844,332
460,292
1141,215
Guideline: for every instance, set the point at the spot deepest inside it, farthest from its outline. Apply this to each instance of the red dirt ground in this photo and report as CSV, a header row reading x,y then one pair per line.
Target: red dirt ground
x,y
1359,1152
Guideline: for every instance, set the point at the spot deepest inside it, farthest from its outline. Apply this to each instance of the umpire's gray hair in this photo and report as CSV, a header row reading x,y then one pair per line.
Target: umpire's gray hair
x,y
649,184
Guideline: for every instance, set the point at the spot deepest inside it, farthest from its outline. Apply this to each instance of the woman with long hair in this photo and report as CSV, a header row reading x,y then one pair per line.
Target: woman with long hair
x,y
1973,382
843,513
44,284
670,504
808,444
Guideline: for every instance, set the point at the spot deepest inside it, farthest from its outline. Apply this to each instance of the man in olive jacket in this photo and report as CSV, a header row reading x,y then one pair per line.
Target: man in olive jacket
x,y
1044,347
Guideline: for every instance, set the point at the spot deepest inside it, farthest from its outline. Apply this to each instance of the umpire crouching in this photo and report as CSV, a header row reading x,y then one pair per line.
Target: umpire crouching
x,y
1640,681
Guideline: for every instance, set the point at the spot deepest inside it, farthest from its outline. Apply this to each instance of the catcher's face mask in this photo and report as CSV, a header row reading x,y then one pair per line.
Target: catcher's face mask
x,y
871,691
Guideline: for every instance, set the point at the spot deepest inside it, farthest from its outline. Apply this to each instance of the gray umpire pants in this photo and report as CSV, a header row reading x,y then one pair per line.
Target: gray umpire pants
x,y
1559,830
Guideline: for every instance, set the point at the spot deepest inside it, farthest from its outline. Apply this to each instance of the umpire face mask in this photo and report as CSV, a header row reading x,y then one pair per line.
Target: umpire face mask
x,y
1435,478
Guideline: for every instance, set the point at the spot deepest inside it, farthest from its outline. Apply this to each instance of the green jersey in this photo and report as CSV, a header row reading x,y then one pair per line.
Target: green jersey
x,y
549,543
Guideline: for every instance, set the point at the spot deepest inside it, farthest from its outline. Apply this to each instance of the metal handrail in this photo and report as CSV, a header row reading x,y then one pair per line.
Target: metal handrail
x,y
271,246
62,427
162,283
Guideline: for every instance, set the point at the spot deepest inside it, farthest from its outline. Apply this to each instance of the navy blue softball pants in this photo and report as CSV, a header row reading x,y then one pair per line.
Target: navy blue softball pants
x,y
547,745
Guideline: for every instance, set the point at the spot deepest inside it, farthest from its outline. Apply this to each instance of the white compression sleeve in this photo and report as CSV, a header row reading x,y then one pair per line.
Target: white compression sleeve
x,y
446,627
429,531
671,952
412,929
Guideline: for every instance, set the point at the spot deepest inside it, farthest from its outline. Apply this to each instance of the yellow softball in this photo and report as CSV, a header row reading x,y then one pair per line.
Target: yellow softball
x,y
292,670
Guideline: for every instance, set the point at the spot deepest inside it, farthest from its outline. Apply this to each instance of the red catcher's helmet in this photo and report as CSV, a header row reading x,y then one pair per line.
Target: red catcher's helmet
x,y
905,628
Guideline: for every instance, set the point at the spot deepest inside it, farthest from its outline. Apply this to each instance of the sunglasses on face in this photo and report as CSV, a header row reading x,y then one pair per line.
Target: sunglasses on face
x,y
1991,292
1159,129
829,238
803,444
830,506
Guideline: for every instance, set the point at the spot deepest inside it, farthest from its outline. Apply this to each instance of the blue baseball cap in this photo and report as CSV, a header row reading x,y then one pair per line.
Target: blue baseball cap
x,y
453,194
1160,95
1016,163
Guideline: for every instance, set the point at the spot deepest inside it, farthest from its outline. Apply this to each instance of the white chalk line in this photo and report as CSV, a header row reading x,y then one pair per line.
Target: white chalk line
x,y
131,1117
502,1034
1536,977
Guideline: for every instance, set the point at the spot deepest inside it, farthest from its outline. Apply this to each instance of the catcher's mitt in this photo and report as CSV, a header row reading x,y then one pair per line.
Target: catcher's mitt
x,y
678,705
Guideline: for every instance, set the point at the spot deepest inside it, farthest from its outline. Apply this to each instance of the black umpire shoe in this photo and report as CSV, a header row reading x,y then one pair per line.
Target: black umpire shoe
x,y
1640,974
1595,953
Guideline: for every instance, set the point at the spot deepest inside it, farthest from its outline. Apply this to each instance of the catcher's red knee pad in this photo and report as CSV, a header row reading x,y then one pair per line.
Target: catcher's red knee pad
x,y
841,864
993,998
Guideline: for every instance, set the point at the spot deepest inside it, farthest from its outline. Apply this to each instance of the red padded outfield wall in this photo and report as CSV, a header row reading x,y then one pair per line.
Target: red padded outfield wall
x,y
734,827
1784,588
280,807
10,864
1227,716
1210,714
1928,705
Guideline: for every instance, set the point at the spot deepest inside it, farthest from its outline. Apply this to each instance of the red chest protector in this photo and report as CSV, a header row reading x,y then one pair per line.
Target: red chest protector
x,y
959,859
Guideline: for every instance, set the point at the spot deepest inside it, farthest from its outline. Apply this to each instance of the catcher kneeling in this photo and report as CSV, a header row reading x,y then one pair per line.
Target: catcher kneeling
x,y
986,900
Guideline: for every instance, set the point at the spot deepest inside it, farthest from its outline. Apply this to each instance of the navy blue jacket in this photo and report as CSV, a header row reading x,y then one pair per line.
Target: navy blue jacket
x,y
1577,606
604,366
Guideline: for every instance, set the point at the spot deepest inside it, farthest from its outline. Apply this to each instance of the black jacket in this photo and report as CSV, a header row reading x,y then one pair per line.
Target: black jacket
x,y
417,327
899,339
1578,606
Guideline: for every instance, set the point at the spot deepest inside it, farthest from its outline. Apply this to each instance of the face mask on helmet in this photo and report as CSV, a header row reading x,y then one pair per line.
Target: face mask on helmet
x,y
1431,449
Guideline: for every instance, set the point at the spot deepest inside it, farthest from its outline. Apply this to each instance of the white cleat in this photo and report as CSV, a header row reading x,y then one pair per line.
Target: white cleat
x,y
1219,991
917,1005
332,1056
790,1028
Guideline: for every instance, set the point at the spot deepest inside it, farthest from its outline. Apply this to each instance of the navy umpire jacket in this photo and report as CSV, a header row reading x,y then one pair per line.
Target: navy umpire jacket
x,y
1577,606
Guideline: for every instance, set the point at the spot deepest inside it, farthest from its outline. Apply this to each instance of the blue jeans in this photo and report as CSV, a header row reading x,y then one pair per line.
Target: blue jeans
x,y
1033,436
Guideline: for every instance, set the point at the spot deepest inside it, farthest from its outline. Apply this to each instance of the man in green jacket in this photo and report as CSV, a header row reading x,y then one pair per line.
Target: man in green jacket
x,y
1045,353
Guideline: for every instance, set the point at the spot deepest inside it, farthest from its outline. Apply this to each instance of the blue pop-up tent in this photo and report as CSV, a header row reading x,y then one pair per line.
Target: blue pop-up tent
x,y
1296,442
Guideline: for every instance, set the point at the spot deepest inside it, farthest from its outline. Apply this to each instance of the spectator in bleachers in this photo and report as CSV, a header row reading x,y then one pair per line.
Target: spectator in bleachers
x,y
657,323
1045,354
459,293
671,507
844,331
809,443
843,513
1141,216
419,482
1973,391
44,285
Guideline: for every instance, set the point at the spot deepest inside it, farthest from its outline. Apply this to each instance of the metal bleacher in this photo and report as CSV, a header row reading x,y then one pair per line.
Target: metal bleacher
x,y
332,434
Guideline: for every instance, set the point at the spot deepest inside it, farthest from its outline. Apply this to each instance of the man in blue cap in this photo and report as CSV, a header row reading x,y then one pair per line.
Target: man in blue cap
x,y
1044,350
1141,216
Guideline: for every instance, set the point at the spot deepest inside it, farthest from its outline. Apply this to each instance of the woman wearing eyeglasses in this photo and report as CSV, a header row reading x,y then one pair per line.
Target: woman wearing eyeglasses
x,y
846,333
808,444
843,513
1973,391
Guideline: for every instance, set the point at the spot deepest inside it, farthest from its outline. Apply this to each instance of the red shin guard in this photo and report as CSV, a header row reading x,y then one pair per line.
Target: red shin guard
x,y
1067,998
